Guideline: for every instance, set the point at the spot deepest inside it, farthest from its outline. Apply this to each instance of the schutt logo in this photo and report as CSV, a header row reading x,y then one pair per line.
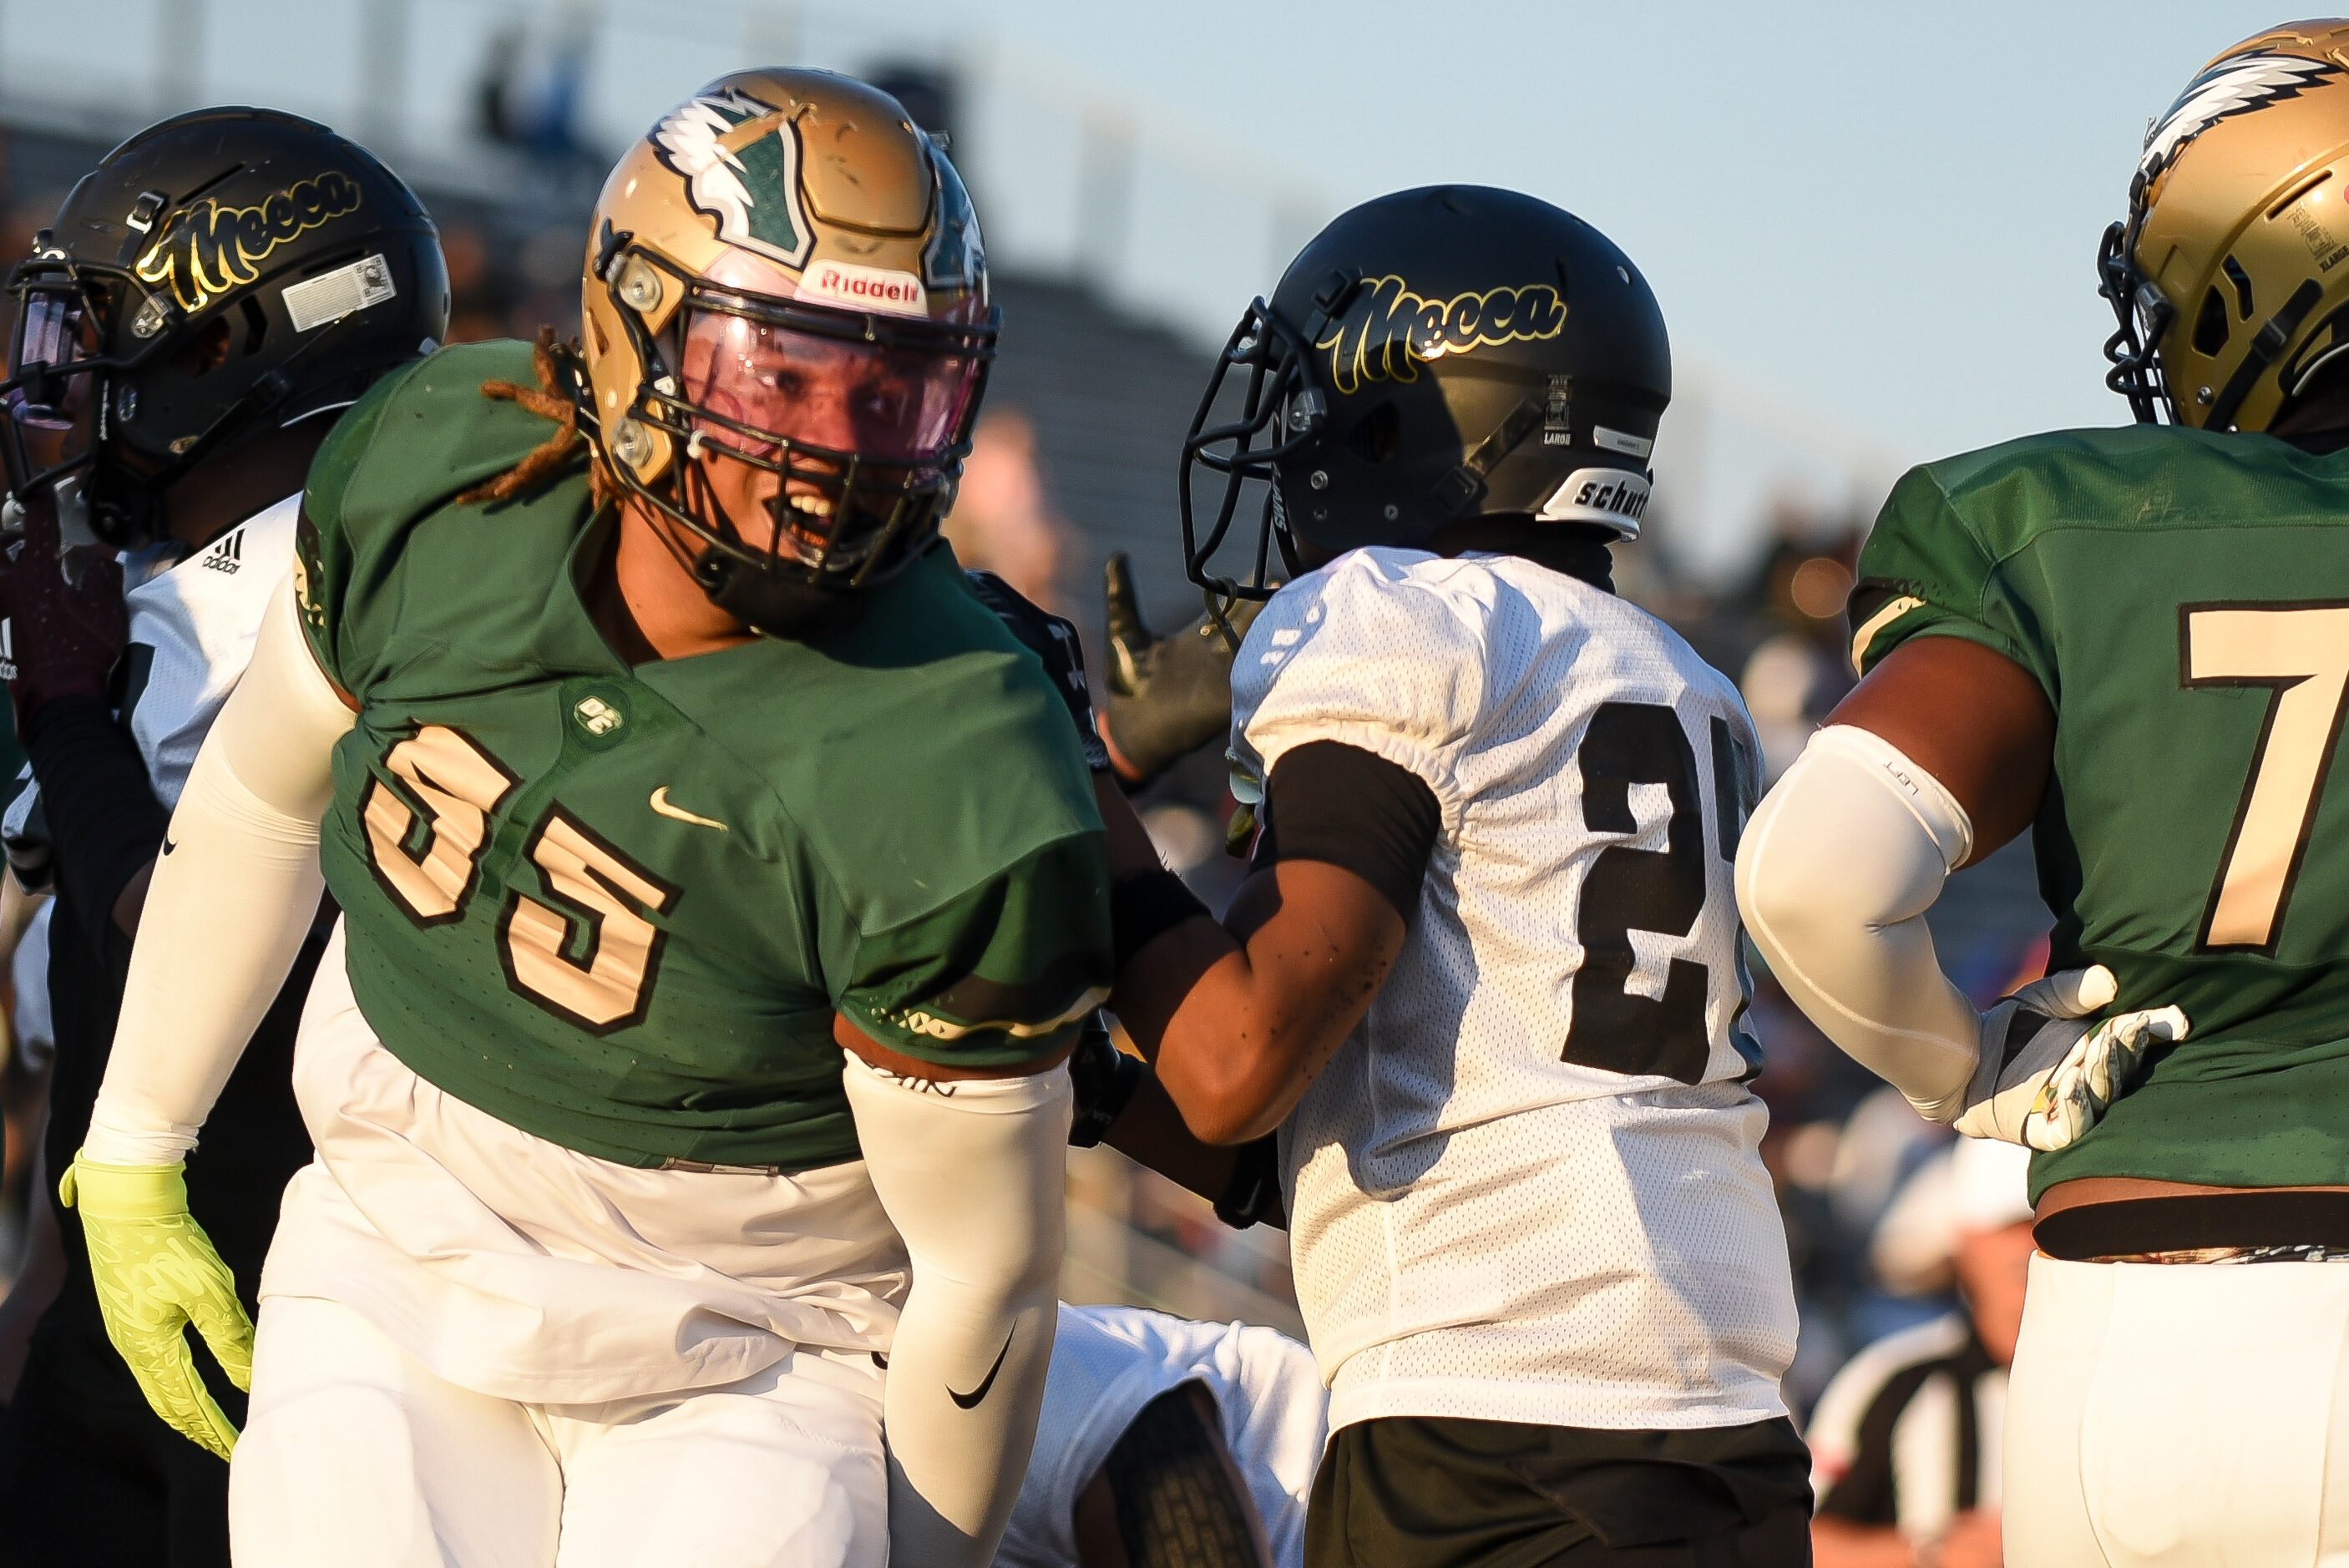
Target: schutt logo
x,y
1388,329
207,249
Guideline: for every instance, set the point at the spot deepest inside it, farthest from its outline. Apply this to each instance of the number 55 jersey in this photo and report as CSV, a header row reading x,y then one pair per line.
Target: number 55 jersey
x,y
618,907
601,918
2182,598
1526,1188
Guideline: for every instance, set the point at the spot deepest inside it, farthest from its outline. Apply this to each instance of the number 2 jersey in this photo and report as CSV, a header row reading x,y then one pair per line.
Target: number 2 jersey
x,y
2182,598
618,907
1526,1188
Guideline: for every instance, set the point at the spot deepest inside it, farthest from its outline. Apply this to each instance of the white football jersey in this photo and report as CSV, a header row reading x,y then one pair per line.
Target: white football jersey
x,y
1108,1362
192,629
191,633
1527,1188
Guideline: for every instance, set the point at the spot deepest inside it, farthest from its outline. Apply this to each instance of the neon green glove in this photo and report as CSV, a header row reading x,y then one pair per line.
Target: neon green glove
x,y
156,1271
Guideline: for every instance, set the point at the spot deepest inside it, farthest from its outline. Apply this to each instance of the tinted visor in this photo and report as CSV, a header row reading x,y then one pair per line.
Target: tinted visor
x,y
766,391
53,383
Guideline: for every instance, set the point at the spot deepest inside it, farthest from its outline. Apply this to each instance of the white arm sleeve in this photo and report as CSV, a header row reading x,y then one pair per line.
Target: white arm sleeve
x,y
972,1174
1835,873
234,894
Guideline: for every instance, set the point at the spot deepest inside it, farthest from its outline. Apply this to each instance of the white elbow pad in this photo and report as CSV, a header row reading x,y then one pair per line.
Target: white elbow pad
x,y
971,1172
1835,873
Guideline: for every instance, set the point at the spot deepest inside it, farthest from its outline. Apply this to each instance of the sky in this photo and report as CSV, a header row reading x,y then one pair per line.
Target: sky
x,y
1888,212
1872,227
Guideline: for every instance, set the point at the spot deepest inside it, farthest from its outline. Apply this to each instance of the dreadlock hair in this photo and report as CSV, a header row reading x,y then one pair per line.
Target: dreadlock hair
x,y
555,399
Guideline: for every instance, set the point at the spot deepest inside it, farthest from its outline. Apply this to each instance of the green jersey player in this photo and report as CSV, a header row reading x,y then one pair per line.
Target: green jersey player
x,y
721,889
2135,642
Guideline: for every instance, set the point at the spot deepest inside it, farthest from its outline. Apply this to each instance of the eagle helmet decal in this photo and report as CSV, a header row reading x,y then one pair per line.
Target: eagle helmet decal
x,y
2235,86
740,161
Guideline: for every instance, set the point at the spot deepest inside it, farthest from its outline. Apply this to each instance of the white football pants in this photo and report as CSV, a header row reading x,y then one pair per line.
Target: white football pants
x,y
355,1455
2180,1416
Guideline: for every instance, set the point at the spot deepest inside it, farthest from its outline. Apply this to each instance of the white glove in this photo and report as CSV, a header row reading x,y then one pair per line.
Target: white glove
x,y
2050,1068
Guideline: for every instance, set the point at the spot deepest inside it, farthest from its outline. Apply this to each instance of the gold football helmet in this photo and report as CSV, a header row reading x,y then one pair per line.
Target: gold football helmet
x,y
787,331
2231,274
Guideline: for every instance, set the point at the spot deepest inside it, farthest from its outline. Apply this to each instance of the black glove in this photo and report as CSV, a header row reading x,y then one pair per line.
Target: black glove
x,y
1168,696
1254,1196
1054,640
64,613
1103,1079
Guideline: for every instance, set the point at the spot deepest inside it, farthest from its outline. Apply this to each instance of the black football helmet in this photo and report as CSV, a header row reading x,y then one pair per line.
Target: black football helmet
x,y
1437,354
221,273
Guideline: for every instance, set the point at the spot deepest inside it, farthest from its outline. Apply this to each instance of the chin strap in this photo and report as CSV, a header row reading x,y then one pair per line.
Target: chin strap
x,y
772,603
1459,490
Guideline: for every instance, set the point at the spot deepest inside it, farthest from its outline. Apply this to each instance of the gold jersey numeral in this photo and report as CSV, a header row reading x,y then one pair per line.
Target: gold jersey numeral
x,y
461,787
588,951
2300,652
609,984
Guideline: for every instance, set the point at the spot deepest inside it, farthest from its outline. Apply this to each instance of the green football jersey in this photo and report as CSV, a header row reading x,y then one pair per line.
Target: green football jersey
x,y
618,907
2183,597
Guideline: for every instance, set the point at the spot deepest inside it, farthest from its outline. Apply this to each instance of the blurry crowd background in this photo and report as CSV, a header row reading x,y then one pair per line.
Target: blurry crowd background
x,y
1075,458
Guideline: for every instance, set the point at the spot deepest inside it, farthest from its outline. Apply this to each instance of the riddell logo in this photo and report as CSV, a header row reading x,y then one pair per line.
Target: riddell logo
x,y
881,289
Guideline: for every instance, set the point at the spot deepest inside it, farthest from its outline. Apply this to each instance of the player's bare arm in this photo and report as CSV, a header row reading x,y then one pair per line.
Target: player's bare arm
x,y
1971,717
1981,725
1150,1130
1237,1016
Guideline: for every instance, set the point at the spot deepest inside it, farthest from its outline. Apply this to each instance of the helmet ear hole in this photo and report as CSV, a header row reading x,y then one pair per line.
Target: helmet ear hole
x,y
1377,435
2242,282
208,350
2210,324
256,325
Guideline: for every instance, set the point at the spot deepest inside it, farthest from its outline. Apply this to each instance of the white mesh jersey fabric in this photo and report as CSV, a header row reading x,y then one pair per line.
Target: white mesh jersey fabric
x,y
1108,1362
191,628
198,622
1485,1221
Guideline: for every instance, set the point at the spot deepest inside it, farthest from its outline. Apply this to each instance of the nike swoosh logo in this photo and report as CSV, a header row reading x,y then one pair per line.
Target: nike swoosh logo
x,y
660,804
970,1401
168,845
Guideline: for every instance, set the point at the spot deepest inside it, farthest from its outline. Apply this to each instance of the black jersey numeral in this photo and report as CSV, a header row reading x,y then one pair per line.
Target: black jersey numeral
x,y
2301,653
1656,891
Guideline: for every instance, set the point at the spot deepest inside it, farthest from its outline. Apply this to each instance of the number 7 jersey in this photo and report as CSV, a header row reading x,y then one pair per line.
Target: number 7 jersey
x,y
2182,597
1526,1188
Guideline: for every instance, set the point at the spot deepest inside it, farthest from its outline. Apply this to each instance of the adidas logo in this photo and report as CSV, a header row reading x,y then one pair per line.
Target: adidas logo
x,y
228,555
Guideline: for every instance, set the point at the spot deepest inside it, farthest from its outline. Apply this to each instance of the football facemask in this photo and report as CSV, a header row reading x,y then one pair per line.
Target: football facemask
x,y
55,388
812,447
1259,407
